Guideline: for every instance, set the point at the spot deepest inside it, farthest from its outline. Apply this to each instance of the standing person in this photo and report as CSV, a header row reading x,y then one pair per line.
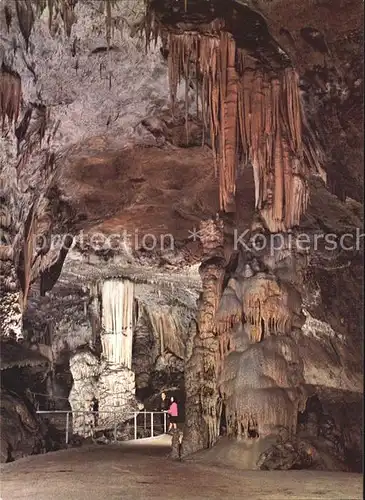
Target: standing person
x,y
164,404
173,414
163,407
94,408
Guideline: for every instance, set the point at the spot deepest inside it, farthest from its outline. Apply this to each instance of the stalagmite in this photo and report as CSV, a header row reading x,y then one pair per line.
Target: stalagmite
x,y
117,321
261,378
202,358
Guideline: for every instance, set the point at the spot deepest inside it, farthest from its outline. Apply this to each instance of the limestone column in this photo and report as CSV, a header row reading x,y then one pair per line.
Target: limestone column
x,y
202,352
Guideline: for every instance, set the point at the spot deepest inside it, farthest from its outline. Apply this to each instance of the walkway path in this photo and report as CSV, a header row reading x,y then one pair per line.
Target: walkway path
x,y
140,470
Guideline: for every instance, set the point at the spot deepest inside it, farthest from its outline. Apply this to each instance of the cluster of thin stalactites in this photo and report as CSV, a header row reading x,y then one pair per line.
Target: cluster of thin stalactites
x,y
252,116
261,413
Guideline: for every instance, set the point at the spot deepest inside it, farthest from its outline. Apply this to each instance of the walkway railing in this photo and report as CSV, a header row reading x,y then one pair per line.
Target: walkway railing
x,y
135,417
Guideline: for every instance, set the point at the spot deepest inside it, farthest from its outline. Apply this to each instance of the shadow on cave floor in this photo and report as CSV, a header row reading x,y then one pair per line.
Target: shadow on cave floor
x,y
142,470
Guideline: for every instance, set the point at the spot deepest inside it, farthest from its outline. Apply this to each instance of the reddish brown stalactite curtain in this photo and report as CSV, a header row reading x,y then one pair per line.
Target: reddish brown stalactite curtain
x,y
252,114
10,95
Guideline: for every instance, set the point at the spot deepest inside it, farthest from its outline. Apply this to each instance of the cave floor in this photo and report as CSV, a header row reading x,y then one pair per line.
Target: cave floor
x,y
142,471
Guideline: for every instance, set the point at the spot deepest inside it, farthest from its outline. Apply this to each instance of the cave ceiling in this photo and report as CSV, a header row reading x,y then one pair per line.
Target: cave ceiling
x,y
124,162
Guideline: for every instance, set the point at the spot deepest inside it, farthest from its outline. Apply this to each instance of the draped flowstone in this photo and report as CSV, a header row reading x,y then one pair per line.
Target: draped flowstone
x,y
117,321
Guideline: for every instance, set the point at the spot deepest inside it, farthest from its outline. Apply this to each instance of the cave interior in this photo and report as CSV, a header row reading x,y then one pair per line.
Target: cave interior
x,y
159,161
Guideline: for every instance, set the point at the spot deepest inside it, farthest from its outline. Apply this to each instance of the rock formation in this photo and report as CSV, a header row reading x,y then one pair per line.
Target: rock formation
x,y
113,387
22,433
262,375
202,413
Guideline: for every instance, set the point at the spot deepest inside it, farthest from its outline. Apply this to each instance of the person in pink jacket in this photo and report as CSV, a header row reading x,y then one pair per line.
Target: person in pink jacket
x,y
173,414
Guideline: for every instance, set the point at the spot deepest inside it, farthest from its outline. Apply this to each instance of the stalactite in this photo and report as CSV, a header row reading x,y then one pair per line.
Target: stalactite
x,y
117,321
313,152
10,95
229,312
294,111
108,20
288,182
251,113
25,15
264,301
68,16
279,179
187,110
228,135
262,410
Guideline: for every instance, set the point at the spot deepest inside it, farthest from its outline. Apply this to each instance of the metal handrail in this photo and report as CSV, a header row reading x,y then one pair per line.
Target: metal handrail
x,y
133,416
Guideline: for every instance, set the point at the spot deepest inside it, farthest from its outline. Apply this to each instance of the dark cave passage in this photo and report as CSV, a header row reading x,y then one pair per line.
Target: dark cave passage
x,y
253,433
312,410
